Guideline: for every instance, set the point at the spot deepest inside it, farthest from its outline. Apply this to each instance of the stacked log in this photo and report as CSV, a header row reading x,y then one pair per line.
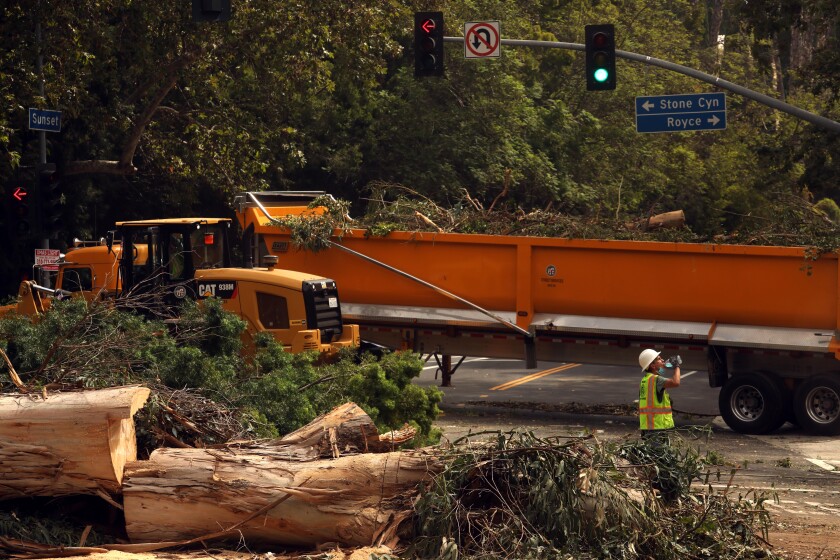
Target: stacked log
x,y
67,443
315,486
336,480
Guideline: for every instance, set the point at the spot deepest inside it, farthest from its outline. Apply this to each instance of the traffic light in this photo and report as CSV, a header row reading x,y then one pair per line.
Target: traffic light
x,y
210,10
18,194
428,44
600,57
52,200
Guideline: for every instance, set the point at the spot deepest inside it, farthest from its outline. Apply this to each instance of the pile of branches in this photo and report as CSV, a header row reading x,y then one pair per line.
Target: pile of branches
x,y
186,418
526,497
393,207
790,220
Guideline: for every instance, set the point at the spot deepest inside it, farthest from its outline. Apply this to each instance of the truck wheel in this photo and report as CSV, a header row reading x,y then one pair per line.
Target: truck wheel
x,y
816,404
753,403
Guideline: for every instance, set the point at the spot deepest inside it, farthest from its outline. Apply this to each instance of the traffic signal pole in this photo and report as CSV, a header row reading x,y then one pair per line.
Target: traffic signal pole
x,y
812,118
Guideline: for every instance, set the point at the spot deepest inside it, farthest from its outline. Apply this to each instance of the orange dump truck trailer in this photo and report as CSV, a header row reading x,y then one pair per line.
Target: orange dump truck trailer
x,y
762,321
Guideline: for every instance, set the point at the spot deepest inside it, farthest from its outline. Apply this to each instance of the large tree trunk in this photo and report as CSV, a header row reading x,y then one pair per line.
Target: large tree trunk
x,y
715,21
280,492
67,443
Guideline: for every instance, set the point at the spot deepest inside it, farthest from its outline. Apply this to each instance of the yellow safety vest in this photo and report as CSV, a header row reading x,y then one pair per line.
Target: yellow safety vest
x,y
653,413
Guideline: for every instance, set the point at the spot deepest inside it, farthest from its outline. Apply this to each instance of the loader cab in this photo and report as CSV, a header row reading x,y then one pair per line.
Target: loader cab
x,y
162,256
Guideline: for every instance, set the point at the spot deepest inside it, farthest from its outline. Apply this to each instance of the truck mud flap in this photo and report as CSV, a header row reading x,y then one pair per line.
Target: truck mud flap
x,y
718,371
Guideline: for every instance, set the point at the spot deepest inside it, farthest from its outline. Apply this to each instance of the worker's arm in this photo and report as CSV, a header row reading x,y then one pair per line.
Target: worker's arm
x,y
675,379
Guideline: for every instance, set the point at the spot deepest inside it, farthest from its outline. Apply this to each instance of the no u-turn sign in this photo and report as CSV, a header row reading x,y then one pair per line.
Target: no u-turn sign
x,y
482,39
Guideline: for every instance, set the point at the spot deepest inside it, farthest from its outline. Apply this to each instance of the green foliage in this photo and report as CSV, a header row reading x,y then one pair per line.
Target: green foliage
x,y
79,345
313,230
828,207
782,219
292,390
65,345
672,468
383,388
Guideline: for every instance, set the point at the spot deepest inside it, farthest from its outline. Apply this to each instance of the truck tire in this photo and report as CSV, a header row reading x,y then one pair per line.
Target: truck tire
x,y
816,404
753,403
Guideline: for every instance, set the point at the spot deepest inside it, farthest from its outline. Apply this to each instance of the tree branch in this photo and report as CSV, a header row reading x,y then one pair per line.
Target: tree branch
x,y
124,165
140,126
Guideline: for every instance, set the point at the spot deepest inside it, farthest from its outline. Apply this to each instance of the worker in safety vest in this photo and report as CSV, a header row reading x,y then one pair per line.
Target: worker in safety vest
x,y
654,401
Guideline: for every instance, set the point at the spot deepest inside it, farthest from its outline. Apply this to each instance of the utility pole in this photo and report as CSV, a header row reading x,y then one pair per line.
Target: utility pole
x,y
43,241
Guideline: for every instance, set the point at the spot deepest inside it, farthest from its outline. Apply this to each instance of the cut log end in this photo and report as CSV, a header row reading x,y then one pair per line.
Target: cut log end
x,y
67,443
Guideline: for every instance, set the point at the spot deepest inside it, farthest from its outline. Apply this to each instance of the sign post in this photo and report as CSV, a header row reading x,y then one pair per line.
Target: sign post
x,y
681,113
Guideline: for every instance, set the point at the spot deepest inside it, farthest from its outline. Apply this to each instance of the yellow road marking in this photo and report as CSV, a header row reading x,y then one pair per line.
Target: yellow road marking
x,y
527,378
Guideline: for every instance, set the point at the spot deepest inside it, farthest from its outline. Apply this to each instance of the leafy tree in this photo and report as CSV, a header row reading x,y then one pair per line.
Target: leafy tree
x,y
142,88
164,117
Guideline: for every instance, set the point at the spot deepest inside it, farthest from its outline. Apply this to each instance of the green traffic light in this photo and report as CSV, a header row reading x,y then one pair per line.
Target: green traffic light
x,y
601,75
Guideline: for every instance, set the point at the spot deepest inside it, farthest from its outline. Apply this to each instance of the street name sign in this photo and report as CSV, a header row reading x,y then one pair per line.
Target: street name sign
x,y
44,119
681,113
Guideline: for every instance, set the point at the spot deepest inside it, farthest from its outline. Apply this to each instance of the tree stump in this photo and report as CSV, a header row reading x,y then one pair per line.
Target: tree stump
x,y
67,443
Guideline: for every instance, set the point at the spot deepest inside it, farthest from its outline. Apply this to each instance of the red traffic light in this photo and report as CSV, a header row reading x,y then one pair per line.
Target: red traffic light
x,y
428,44
600,40
20,193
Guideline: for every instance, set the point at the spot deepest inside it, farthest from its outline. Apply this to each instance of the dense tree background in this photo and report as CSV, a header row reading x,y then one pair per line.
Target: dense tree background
x,y
165,117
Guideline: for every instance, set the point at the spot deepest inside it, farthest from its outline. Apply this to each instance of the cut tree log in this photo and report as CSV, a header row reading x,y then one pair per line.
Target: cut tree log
x,y
282,492
347,425
674,219
67,443
667,220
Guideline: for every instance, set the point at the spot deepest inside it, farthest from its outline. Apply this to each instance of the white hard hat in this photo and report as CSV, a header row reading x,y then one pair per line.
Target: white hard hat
x,y
646,357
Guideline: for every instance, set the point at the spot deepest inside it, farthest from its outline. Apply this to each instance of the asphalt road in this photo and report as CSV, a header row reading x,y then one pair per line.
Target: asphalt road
x,y
496,381
801,470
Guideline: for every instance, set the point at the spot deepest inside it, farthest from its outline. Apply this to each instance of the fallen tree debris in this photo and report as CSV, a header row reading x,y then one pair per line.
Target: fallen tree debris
x,y
520,496
67,443
337,482
791,221
280,492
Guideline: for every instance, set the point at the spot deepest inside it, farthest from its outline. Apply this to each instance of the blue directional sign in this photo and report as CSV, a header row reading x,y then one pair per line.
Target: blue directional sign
x,y
43,119
680,113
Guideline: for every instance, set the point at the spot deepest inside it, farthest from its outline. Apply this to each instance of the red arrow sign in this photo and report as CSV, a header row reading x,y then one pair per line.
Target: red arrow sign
x,y
428,25
19,193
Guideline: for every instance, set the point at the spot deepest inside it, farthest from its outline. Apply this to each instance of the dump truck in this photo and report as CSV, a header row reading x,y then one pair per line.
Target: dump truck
x,y
154,265
761,320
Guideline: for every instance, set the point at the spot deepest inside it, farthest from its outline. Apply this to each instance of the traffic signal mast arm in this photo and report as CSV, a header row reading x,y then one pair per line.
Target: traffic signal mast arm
x,y
823,122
